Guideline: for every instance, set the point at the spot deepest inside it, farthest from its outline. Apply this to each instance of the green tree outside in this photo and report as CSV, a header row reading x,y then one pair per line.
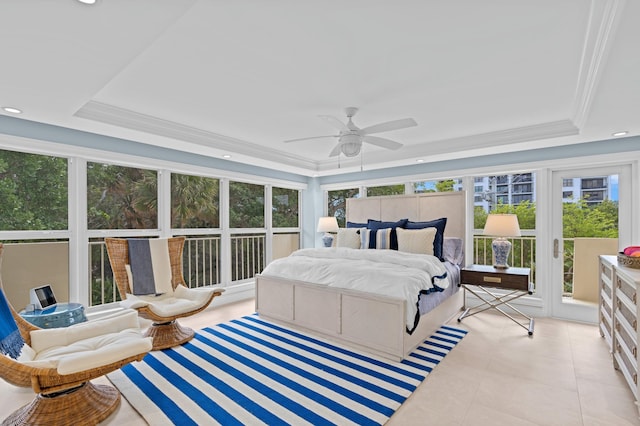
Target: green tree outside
x,y
195,201
375,191
284,208
445,185
34,192
338,204
121,197
246,205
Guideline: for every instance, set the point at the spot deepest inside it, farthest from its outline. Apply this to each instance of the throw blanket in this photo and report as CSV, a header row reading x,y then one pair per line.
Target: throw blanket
x,y
150,266
10,339
384,272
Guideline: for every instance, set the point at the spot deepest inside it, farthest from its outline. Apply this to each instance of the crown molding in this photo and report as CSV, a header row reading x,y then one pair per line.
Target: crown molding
x,y
604,19
116,116
553,129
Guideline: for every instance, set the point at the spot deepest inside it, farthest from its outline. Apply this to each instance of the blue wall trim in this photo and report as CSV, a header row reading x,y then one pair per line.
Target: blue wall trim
x,y
48,132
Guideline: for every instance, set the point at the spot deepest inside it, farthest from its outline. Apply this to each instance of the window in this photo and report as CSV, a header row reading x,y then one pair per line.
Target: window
x,y
593,196
246,205
195,201
521,178
34,192
567,194
337,204
507,194
519,198
284,205
121,197
593,183
522,188
374,191
567,183
446,185
34,198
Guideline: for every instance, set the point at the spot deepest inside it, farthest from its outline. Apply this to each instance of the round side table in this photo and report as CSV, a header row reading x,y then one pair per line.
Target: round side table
x,y
62,315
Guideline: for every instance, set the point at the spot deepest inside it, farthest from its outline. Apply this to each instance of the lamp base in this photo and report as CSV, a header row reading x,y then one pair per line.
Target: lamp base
x,y
501,248
327,240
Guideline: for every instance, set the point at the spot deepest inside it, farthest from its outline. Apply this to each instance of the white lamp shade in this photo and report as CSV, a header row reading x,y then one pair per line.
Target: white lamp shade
x,y
502,225
328,224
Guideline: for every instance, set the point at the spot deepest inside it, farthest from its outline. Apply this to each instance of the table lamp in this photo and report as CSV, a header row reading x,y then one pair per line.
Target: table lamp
x,y
501,226
327,225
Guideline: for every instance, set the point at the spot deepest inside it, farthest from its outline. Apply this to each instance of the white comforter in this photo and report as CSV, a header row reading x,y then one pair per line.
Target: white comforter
x,y
385,272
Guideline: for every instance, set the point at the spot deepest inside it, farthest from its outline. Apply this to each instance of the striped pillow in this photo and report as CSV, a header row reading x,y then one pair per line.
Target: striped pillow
x,y
150,266
375,238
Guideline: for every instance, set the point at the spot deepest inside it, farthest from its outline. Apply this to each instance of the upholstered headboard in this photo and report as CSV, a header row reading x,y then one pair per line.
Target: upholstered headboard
x,y
417,208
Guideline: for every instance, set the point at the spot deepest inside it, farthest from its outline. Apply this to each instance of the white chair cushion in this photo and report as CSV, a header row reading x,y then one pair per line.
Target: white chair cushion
x,y
88,345
182,300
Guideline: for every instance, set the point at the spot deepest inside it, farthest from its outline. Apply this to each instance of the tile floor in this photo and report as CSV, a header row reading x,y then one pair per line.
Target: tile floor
x,y
496,376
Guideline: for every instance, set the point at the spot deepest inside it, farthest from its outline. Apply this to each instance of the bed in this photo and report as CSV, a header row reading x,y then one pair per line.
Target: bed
x,y
377,323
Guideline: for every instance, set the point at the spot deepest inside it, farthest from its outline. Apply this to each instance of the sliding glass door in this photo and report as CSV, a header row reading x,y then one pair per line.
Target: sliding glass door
x,y
588,217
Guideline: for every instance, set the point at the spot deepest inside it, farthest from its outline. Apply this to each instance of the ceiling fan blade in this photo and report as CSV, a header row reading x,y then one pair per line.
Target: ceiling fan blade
x,y
389,125
312,137
335,151
334,122
382,142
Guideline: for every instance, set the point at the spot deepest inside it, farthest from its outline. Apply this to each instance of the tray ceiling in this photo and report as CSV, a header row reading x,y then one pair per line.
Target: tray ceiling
x,y
238,78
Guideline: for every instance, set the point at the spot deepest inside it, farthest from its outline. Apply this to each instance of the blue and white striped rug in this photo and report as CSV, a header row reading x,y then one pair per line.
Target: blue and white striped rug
x,y
250,371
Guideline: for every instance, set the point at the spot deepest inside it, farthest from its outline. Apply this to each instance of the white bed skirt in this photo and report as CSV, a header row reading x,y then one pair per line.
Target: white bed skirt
x,y
374,323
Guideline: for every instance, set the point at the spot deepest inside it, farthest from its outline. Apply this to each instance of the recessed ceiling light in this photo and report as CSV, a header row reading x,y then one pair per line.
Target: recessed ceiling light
x,y
88,1
226,156
12,110
420,160
619,133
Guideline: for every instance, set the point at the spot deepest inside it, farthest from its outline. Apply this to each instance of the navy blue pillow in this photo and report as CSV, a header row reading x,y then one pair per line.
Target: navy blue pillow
x,y
438,241
377,224
356,225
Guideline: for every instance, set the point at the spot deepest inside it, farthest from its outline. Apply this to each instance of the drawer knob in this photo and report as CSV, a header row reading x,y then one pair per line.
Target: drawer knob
x,y
492,279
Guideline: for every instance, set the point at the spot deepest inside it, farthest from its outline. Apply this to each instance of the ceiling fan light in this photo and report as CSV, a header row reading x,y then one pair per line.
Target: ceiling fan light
x,y
350,145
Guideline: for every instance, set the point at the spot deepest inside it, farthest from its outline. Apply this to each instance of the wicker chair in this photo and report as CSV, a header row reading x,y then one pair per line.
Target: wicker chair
x,y
165,329
65,399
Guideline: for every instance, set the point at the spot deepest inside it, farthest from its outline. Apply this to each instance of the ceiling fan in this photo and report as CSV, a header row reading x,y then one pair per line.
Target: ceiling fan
x,y
351,137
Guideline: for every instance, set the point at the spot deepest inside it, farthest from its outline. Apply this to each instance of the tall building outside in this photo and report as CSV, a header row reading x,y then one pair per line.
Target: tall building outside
x,y
490,191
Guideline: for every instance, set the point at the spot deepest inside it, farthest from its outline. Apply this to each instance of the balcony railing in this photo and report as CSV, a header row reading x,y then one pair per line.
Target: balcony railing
x,y
201,263
522,255
247,256
579,280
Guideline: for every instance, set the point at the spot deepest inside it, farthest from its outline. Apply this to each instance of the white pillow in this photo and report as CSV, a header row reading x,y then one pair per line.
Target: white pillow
x,y
349,237
418,241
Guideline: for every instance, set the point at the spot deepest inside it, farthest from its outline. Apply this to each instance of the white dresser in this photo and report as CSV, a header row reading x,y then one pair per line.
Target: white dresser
x,y
619,317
